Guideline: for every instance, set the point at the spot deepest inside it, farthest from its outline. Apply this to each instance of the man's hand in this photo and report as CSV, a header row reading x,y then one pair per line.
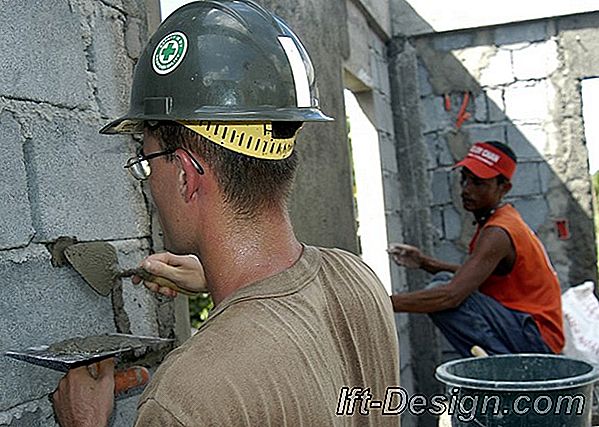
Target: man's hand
x,y
83,399
406,255
185,271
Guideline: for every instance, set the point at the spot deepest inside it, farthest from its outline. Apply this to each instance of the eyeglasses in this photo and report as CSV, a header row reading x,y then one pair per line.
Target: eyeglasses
x,y
139,166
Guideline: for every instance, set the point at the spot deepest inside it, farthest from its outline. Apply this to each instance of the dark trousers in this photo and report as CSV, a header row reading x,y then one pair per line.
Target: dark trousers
x,y
481,320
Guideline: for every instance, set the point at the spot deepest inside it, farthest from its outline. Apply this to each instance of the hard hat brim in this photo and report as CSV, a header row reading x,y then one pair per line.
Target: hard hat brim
x,y
133,123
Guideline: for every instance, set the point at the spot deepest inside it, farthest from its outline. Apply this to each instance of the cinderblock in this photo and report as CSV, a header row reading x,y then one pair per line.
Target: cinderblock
x,y
449,252
485,133
496,105
79,185
383,113
518,33
360,56
528,102
480,108
536,61
498,70
380,71
444,156
111,62
434,115
38,413
16,228
440,187
545,175
387,152
534,211
437,222
452,223
42,304
44,57
453,41
526,181
140,304
424,86
527,141
394,230
431,141
390,193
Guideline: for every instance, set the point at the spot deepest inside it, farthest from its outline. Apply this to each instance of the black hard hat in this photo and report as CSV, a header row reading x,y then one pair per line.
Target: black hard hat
x,y
222,60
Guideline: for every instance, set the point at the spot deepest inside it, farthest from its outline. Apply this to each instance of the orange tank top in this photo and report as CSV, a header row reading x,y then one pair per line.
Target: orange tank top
x,y
532,286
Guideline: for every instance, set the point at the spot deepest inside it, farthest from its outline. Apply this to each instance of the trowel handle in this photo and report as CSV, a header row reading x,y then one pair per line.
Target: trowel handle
x,y
129,379
160,281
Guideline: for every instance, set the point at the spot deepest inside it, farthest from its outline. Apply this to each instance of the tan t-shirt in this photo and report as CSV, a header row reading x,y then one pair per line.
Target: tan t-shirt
x,y
278,352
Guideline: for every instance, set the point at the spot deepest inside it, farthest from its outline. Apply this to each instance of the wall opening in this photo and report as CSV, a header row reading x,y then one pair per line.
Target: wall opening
x,y
590,112
368,188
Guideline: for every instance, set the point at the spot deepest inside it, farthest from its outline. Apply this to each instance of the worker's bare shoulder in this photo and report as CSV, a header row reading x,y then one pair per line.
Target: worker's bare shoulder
x,y
493,238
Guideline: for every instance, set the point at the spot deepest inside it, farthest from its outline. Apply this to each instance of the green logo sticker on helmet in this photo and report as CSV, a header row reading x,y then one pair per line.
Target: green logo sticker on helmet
x,y
169,53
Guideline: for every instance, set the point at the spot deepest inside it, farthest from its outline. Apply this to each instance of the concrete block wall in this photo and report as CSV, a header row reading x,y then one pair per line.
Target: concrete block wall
x,y
69,71
522,81
412,188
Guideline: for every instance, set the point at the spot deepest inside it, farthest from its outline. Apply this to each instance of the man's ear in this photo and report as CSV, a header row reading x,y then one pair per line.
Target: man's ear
x,y
188,177
507,186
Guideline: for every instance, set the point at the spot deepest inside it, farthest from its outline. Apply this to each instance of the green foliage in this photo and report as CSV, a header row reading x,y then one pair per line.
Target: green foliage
x,y
199,308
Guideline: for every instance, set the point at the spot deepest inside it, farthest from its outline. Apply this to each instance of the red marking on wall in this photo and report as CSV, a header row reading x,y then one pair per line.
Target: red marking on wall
x,y
563,229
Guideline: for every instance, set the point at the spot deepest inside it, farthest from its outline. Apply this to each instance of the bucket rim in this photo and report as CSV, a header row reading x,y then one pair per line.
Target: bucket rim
x,y
442,374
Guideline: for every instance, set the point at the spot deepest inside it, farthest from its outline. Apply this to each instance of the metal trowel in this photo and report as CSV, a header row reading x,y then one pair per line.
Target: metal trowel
x,y
84,351
98,264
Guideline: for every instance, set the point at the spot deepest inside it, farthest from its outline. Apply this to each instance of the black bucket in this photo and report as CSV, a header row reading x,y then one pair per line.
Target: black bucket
x,y
528,390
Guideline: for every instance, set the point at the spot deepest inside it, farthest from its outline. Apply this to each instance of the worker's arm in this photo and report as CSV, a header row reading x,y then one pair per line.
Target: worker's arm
x,y
493,245
412,257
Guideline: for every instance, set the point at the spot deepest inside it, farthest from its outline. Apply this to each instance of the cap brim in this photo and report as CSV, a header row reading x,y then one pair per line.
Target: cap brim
x,y
123,125
477,168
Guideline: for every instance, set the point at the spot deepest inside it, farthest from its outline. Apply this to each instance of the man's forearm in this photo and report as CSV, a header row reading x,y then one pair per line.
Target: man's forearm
x,y
425,301
433,265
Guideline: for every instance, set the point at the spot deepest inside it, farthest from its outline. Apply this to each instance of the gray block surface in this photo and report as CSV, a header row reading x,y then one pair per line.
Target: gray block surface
x,y
534,211
140,304
526,180
440,188
41,304
16,228
78,184
112,64
43,53
518,33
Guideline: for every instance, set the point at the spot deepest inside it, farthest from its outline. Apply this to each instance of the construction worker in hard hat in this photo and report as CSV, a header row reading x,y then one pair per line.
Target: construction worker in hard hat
x,y
220,93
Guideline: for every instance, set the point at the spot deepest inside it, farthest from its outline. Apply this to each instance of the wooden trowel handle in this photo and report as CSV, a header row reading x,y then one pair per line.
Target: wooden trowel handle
x,y
129,379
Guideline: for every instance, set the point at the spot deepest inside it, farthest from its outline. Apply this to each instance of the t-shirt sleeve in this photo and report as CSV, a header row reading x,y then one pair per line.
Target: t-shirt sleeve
x,y
153,414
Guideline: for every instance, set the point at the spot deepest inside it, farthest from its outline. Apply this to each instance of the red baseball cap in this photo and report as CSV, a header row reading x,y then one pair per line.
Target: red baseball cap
x,y
486,161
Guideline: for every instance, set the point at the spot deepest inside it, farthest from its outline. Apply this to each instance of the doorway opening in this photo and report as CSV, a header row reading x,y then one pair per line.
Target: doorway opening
x,y
368,185
590,112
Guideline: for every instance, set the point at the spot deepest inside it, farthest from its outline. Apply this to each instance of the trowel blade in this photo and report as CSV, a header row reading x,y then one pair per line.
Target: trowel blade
x,y
96,262
81,351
